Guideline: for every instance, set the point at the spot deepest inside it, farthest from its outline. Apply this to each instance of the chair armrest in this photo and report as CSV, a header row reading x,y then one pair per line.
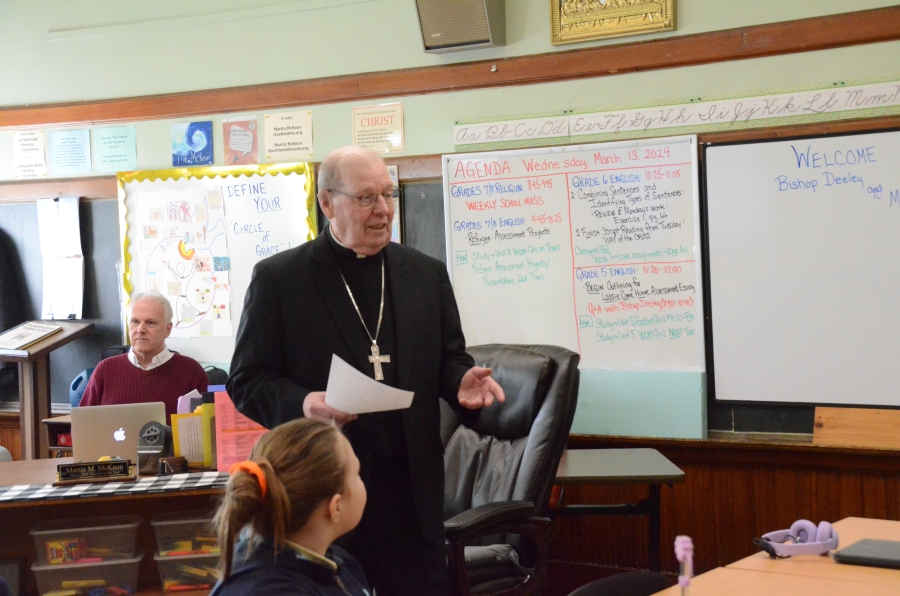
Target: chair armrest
x,y
486,515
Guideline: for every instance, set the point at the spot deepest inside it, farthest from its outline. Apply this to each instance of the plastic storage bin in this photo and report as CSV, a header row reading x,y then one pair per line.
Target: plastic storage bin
x,y
196,572
118,577
185,533
86,540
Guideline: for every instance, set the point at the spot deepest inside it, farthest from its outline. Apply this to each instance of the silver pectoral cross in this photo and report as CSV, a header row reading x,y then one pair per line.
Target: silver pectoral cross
x,y
376,358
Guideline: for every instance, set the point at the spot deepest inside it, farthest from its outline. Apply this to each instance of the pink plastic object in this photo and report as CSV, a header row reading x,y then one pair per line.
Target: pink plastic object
x,y
684,552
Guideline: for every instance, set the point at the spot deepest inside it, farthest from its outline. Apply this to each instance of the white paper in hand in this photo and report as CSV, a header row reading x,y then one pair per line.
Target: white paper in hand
x,y
352,392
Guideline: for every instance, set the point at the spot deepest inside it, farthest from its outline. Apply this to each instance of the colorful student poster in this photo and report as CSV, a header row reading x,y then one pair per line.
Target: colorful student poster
x,y
70,152
192,144
115,149
28,153
241,141
289,136
183,254
380,128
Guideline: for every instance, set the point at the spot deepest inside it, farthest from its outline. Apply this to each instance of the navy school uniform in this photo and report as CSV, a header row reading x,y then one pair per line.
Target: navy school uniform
x,y
292,573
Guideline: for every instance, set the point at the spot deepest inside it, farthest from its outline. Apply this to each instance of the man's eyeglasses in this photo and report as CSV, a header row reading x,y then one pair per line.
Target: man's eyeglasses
x,y
369,201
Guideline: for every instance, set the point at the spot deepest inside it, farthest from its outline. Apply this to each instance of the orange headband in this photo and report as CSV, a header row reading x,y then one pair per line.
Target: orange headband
x,y
251,467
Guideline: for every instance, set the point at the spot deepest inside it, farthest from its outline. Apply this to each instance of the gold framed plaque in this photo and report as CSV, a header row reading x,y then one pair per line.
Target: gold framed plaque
x,y
573,21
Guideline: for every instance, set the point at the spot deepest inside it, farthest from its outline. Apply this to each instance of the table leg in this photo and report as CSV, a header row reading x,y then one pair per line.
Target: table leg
x,y
34,406
654,515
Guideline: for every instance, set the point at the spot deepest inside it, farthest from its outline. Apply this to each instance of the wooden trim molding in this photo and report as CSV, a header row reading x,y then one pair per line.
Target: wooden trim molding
x,y
90,188
104,187
802,35
757,455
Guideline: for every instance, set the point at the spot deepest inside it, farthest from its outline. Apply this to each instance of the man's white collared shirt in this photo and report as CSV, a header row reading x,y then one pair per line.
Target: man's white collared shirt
x,y
157,360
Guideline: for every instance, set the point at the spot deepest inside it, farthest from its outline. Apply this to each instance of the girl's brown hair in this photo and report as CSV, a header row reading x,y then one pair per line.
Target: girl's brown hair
x,y
303,466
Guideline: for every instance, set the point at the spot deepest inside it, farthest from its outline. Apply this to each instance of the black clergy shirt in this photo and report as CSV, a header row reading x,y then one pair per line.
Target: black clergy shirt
x,y
382,430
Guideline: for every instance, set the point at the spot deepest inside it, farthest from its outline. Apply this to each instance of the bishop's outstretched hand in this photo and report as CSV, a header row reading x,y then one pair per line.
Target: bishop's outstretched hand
x,y
478,389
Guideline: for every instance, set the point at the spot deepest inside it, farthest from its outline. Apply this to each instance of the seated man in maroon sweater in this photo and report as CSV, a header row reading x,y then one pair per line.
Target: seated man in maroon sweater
x,y
149,371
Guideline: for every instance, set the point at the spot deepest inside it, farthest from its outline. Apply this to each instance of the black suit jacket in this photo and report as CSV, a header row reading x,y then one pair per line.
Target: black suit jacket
x,y
297,314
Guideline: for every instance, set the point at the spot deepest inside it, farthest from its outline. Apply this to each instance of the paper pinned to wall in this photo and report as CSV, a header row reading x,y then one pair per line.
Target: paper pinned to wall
x,y
379,128
70,152
289,136
28,153
115,149
192,144
63,274
58,227
241,141
63,288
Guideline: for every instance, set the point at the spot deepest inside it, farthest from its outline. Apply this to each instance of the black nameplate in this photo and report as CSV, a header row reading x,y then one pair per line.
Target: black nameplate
x,y
94,471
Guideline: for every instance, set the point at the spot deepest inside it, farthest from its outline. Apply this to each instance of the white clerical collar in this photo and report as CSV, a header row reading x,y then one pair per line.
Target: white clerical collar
x,y
358,256
157,360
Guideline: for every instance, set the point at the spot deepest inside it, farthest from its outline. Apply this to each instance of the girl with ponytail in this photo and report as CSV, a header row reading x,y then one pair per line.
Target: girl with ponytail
x,y
299,491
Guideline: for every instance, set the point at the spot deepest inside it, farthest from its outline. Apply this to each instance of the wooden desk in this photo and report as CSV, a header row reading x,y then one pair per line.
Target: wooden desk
x,y
850,530
823,576
727,581
619,466
34,386
18,517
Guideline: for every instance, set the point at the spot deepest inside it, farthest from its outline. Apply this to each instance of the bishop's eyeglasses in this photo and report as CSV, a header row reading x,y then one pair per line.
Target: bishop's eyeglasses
x,y
369,201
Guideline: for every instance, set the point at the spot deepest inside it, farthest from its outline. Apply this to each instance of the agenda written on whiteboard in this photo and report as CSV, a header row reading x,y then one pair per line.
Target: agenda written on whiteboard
x,y
592,247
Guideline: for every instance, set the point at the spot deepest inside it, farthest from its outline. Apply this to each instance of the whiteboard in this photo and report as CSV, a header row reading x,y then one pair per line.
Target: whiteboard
x,y
591,247
804,269
195,234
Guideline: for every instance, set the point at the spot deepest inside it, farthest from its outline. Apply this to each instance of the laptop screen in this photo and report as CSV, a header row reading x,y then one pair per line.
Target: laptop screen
x,y
111,430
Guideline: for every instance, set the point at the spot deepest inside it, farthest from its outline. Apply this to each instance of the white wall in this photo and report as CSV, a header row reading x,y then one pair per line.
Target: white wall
x,y
79,50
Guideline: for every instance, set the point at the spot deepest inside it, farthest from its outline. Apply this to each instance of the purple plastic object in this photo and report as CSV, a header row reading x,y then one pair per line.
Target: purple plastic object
x,y
684,552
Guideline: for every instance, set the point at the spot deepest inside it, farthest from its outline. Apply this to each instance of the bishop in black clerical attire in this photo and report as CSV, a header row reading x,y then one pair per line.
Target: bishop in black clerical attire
x,y
389,311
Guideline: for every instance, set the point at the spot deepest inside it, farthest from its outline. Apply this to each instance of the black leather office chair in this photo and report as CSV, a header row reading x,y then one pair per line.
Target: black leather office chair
x,y
499,470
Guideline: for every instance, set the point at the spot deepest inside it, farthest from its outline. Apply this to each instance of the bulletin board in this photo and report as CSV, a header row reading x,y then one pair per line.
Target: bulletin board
x,y
194,234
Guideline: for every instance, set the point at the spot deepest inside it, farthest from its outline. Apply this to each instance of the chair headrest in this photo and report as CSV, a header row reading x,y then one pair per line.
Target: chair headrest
x,y
524,376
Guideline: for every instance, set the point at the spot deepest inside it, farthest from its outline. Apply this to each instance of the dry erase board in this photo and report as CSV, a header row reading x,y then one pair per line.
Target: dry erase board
x,y
195,234
804,269
591,247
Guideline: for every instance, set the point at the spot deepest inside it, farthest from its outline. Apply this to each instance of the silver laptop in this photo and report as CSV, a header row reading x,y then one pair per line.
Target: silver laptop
x,y
111,430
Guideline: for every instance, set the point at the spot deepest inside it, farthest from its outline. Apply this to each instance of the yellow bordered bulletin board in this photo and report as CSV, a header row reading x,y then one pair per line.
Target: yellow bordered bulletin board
x,y
195,234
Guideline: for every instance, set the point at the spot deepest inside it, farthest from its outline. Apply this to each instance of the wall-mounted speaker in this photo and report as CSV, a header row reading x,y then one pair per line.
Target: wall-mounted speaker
x,y
455,25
